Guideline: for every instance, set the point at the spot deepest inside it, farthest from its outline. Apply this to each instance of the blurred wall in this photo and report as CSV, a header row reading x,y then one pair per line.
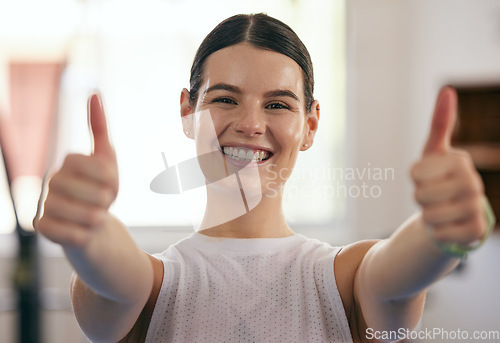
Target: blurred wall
x,y
399,53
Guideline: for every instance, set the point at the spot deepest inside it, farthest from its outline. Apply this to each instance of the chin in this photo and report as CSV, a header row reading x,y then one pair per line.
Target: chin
x,y
244,186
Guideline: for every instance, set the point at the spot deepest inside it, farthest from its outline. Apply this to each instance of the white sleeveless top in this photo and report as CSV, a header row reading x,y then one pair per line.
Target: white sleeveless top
x,y
218,290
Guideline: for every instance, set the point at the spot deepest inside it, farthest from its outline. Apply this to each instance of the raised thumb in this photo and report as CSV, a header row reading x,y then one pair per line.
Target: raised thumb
x,y
443,122
99,128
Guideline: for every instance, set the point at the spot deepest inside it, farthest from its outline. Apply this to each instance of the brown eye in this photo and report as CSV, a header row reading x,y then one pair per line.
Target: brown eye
x,y
224,100
277,106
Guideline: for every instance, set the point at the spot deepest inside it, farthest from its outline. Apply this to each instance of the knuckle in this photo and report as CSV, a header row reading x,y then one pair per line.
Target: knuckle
x,y
470,184
45,227
54,204
49,208
39,225
105,197
111,178
112,197
68,160
106,171
464,162
101,198
94,217
472,207
476,229
415,171
100,166
71,160
103,167
58,182
54,182
478,183
474,181
477,204
467,157
64,233
417,194
421,197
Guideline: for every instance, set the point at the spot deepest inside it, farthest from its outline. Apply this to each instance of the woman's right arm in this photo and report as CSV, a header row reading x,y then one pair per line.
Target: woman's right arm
x,y
113,277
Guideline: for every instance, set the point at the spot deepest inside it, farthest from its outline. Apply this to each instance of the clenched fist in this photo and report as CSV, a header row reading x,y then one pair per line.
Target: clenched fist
x,y
80,193
447,186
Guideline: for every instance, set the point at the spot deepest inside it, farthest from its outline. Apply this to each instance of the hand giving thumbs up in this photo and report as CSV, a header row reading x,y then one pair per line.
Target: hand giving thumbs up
x,y
447,186
80,193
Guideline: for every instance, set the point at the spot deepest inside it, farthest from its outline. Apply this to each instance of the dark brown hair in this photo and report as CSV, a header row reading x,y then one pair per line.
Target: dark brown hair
x,y
262,31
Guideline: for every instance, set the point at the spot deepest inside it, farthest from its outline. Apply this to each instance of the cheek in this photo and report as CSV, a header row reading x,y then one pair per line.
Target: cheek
x,y
206,131
209,124
210,159
220,120
290,134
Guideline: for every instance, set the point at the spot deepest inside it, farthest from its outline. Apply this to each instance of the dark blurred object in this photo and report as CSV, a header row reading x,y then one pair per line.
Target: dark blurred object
x,y
27,138
478,132
26,279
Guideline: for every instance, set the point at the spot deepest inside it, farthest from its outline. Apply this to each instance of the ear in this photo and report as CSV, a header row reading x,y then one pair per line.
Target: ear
x,y
186,114
312,121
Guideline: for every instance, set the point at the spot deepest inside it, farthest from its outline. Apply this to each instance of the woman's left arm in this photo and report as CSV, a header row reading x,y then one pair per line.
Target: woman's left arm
x,y
392,279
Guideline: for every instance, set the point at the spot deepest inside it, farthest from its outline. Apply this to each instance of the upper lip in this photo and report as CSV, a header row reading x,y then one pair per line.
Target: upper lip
x,y
247,146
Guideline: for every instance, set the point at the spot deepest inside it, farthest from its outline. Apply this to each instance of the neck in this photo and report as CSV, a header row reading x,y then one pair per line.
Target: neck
x,y
227,216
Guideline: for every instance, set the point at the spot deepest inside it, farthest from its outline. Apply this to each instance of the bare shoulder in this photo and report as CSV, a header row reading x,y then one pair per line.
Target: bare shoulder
x,y
139,331
346,265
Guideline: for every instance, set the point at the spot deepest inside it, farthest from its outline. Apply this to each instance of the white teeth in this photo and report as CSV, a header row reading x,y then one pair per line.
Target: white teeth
x,y
245,154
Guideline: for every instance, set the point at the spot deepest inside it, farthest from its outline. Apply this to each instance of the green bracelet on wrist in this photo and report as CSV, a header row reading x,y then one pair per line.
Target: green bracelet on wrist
x,y
460,251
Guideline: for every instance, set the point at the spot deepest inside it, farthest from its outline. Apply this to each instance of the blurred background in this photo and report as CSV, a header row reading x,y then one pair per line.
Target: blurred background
x,y
378,67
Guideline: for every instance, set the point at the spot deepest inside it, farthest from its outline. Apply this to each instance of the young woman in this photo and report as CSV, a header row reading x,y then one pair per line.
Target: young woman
x,y
246,276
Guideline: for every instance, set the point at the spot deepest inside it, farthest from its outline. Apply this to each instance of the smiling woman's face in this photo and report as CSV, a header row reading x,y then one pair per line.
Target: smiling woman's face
x,y
256,102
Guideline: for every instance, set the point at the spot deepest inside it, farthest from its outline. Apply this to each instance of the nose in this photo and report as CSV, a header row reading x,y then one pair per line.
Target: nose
x,y
251,122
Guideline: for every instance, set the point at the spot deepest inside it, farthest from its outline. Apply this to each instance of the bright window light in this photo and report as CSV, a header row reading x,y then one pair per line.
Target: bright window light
x,y
139,54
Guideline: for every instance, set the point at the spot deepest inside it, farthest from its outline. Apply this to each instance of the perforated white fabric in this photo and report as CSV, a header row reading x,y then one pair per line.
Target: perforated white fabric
x,y
249,290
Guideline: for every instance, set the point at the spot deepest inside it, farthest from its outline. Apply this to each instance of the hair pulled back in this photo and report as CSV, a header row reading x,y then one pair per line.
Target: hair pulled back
x,y
261,31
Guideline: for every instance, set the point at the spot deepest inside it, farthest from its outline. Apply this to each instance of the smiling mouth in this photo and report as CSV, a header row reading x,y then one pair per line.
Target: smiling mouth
x,y
245,154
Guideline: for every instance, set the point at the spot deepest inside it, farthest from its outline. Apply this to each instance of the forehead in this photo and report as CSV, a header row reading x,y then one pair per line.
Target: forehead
x,y
253,70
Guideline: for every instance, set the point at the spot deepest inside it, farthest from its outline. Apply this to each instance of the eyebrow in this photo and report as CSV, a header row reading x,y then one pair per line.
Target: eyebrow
x,y
282,92
224,87
270,94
